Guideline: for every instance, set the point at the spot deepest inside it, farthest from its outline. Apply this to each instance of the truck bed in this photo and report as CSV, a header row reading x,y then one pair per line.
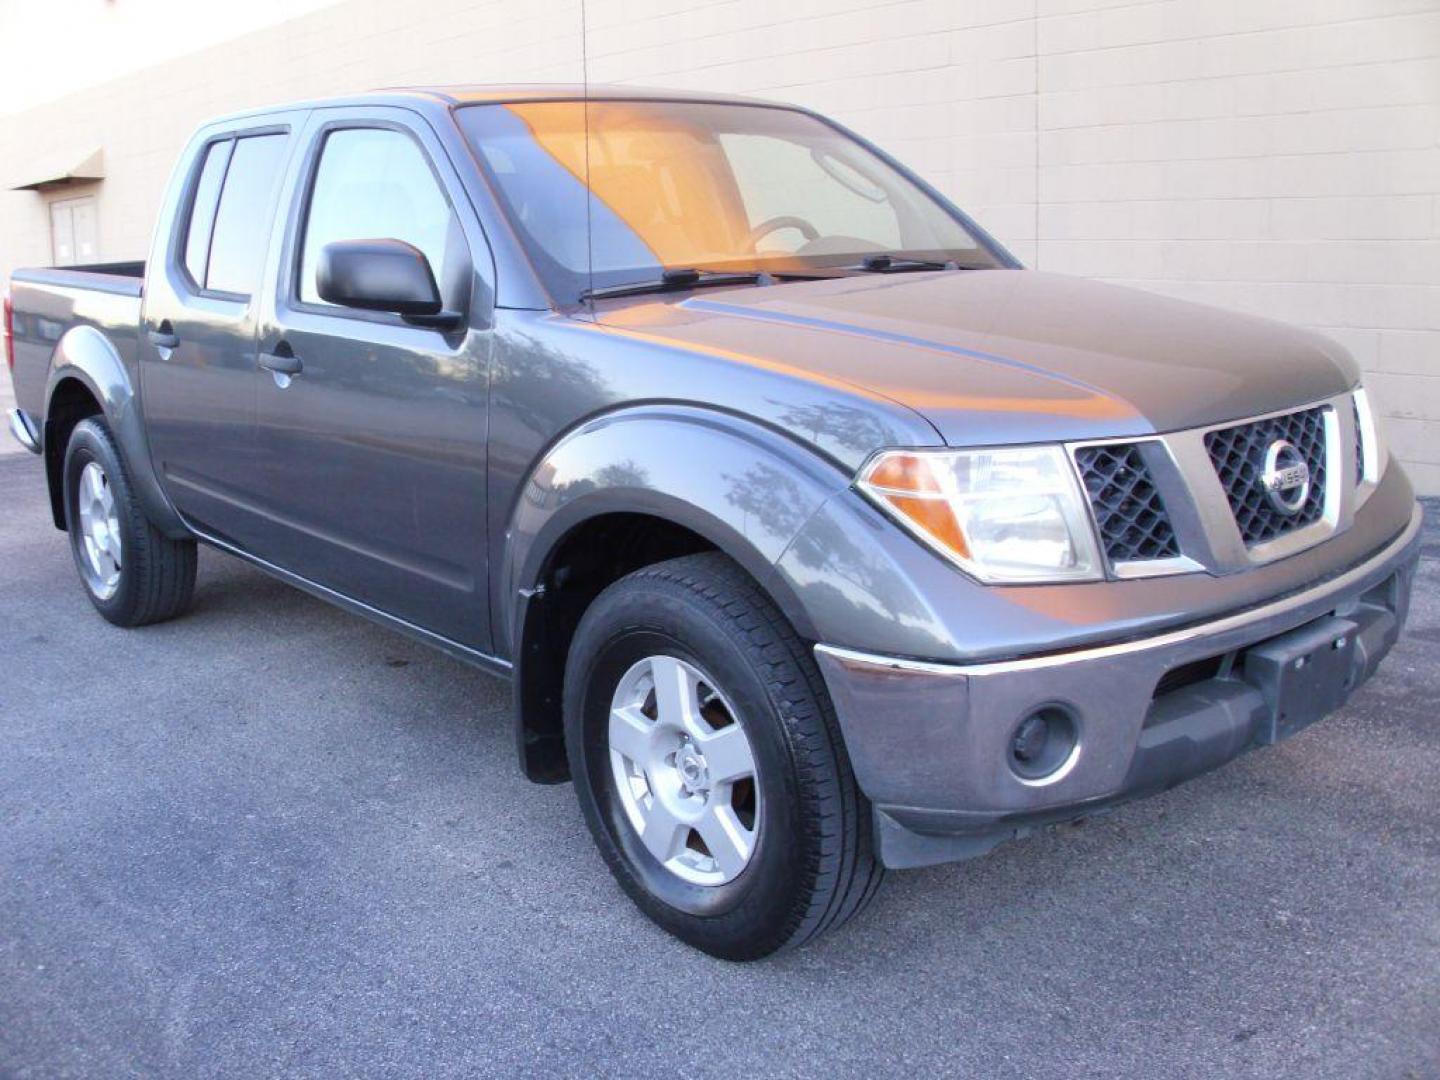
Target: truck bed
x,y
48,302
124,278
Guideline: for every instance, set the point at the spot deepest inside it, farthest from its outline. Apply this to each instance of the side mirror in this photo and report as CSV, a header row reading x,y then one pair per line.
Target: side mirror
x,y
382,275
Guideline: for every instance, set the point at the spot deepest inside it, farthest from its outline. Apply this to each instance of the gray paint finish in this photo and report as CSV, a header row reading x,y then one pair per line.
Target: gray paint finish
x,y
1013,356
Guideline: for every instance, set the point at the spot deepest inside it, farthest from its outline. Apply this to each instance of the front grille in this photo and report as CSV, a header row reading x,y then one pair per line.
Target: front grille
x,y
1238,454
1128,509
1359,442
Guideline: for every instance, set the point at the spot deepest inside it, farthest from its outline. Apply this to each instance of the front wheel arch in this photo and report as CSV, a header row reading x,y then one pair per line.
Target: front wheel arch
x,y
592,555
586,560
641,485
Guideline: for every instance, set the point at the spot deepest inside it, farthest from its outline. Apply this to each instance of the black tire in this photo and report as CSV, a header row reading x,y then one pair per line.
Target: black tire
x,y
157,574
813,863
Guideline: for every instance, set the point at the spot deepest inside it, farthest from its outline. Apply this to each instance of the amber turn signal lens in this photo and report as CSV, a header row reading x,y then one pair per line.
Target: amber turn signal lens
x,y
935,517
904,472
907,482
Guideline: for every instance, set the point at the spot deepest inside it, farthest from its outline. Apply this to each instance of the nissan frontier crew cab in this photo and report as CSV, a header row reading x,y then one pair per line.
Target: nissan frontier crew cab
x,y
816,535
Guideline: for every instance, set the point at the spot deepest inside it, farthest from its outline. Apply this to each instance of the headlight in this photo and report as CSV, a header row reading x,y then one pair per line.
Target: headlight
x,y
1374,453
1013,514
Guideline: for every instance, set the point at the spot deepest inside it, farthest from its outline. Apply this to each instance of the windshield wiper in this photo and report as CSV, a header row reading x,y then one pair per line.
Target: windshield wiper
x,y
881,263
682,278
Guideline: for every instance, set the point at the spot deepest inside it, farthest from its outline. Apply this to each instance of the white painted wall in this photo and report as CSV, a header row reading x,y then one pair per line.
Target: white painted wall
x,y
1275,156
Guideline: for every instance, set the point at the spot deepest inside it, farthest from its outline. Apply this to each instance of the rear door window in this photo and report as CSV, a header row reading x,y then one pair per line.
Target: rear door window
x,y
243,216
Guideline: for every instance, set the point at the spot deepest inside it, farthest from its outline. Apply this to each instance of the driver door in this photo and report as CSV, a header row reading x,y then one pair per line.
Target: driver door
x,y
371,431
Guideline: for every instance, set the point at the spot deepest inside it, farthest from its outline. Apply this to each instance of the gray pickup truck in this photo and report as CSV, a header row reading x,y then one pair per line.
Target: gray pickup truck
x,y
816,535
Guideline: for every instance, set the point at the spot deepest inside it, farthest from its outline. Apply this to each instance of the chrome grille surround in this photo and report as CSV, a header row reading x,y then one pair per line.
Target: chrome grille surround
x,y
1370,455
1359,441
1208,535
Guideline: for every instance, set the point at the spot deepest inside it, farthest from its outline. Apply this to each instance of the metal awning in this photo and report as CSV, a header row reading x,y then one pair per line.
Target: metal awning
x,y
63,169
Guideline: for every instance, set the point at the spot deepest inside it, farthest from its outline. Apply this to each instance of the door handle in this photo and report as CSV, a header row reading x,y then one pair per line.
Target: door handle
x,y
286,363
163,336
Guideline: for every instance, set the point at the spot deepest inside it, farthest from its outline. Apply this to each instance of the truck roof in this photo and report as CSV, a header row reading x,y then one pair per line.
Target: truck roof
x,y
476,94
480,93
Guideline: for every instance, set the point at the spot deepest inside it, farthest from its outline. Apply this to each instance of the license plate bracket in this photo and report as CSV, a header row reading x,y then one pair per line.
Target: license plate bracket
x,y
1303,675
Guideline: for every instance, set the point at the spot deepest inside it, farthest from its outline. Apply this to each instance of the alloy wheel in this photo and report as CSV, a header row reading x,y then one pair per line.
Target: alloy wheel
x,y
684,770
100,543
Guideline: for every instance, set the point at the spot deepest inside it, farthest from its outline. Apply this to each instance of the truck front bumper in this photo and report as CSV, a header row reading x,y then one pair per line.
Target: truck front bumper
x,y
934,745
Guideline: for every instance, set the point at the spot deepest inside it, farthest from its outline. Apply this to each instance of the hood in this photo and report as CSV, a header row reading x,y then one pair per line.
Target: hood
x,y
1000,356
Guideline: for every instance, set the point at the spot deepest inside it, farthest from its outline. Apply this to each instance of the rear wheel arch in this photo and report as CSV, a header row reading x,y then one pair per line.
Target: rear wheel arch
x,y
71,400
87,372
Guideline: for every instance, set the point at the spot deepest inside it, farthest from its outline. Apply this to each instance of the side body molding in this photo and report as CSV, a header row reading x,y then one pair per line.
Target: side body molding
x,y
86,355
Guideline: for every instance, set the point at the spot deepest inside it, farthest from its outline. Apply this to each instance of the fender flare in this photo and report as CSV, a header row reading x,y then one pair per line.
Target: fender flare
x,y
745,488
85,355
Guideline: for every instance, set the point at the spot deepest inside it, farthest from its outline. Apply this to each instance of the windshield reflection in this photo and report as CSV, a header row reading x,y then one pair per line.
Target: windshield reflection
x,y
702,186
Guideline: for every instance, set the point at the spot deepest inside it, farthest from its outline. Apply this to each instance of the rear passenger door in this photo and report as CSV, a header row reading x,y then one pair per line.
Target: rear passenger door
x,y
199,317
372,455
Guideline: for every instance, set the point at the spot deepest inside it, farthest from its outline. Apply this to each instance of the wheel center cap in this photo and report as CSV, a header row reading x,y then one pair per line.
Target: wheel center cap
x,y
692,770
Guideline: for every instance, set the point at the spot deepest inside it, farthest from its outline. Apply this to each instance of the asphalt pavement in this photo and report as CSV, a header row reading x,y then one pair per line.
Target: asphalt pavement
x,y
270,839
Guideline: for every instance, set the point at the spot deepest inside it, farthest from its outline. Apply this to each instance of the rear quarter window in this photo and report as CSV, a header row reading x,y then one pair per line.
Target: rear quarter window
x,y
242,218
202,209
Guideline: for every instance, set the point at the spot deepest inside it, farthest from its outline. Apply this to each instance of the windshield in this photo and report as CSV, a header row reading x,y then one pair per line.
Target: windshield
x,y
700,186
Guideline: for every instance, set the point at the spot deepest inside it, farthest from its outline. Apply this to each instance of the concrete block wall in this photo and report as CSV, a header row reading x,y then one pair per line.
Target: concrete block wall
x,y
1274,156
143,120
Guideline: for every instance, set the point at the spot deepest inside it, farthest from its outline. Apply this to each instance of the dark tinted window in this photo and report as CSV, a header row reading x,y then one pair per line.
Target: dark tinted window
x,y
202,210
242,223
374,184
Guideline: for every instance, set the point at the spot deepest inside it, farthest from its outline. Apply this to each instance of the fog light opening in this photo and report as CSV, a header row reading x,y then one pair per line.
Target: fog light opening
x,y
1044,745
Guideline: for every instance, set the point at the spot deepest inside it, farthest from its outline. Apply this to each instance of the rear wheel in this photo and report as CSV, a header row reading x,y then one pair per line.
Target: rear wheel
x,y
708,763
133,573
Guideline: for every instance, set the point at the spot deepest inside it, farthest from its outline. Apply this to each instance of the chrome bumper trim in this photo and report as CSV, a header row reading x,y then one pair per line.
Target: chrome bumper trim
x,y
1175,637
24,432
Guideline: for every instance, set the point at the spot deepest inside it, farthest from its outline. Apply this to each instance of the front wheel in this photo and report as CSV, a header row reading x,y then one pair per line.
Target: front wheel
x,y
708,763
133,573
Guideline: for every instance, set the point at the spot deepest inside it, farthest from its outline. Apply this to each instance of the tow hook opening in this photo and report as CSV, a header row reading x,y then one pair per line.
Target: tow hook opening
x,y
1043,744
